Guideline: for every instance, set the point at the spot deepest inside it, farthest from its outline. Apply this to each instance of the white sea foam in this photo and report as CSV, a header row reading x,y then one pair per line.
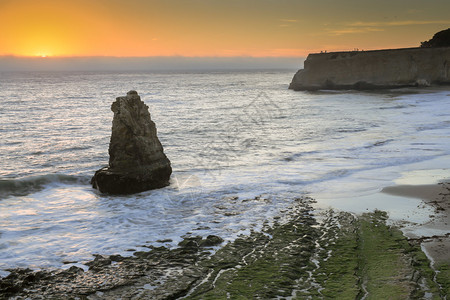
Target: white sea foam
x,y
242,147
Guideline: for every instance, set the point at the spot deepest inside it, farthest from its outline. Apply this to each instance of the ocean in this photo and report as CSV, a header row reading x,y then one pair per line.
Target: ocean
x,y
242,148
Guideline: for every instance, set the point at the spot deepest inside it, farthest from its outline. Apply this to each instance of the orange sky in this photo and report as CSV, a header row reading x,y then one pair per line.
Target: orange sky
x,y
214,27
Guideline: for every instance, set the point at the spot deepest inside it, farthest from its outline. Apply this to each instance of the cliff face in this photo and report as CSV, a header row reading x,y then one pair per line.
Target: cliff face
x,y
374,69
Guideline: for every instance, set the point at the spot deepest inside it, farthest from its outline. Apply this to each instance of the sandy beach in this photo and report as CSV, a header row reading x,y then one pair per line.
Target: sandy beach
x,y
437,195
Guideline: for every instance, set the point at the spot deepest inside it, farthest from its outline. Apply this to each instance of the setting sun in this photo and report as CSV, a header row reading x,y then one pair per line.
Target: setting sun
x,y
212,28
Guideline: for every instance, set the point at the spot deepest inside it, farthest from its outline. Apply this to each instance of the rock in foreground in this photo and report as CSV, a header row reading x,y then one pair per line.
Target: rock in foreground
x,y
136,158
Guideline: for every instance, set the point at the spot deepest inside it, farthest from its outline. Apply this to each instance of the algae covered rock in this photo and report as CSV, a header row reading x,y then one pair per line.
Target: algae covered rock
x,y
136,158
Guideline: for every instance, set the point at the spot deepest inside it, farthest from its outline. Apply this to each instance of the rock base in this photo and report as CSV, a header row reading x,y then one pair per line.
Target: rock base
x,y
121,183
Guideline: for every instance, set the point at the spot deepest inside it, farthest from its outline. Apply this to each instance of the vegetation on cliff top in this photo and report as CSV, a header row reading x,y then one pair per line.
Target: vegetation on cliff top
x,y
440,39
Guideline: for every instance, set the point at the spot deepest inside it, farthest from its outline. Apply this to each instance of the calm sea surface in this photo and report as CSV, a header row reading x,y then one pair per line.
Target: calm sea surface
x,y
230,137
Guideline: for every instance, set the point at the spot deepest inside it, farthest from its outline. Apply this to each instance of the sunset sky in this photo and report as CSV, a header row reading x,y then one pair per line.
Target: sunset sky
x,y
255,28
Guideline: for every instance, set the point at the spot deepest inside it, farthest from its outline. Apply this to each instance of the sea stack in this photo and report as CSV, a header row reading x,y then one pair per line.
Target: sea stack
x,y
136,158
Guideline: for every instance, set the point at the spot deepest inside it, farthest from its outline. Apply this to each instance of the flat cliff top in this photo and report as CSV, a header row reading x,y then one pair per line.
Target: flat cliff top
x,y
377,50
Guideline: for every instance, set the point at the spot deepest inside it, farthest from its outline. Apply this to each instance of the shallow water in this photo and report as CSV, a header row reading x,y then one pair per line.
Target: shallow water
x,y
227,135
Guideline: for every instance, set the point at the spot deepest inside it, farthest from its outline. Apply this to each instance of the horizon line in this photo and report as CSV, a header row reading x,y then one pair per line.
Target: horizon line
x,y
147,63
149,56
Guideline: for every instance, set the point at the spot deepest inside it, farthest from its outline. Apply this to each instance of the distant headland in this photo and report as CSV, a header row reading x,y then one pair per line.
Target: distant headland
x,y
378,69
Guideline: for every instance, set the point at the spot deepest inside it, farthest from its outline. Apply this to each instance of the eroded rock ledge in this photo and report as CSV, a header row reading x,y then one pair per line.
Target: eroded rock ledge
x,y
341,257
136,158
379,69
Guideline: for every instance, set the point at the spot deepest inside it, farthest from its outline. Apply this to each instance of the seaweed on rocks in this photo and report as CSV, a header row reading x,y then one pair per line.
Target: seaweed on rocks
x,y
336,256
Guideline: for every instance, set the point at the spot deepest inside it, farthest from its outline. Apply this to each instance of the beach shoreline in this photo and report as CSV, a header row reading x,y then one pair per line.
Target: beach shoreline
x,y
438,196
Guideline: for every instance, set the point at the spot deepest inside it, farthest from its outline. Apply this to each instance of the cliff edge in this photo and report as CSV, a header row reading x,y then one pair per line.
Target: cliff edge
x,y
378,69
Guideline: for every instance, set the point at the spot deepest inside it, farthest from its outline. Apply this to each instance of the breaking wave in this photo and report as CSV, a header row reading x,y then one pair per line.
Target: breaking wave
x,y
32,184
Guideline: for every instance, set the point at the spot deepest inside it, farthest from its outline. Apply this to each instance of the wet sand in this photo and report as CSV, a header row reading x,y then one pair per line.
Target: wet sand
x,y
436,246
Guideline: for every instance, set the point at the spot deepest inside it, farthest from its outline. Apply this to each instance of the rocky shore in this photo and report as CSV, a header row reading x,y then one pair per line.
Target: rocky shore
x,y
311,254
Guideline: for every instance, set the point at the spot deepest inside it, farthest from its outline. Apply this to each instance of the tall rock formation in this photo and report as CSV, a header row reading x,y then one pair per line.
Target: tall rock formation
x,y
136,158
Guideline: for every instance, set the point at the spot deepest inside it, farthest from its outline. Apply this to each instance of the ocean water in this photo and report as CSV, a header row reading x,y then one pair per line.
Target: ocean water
x,y
242,147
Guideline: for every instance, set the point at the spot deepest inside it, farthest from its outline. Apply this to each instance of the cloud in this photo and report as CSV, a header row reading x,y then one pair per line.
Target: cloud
x,y
397,23
414,11
365,27
354,30
289,20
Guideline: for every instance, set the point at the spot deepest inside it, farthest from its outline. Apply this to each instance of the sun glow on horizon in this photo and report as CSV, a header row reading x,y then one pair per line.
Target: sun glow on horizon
x,y
213,28
43,54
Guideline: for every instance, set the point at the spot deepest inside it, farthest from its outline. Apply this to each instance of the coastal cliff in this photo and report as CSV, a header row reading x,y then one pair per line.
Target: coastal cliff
x,y
376,69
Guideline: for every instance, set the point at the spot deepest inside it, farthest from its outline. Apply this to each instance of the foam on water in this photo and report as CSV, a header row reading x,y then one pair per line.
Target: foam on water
x,y
69,223
242,148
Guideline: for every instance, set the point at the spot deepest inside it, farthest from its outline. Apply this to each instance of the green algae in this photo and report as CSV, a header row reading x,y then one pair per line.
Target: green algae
x,y
371,260
443,278
336,274
265,265
346,257
384,268
342,257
